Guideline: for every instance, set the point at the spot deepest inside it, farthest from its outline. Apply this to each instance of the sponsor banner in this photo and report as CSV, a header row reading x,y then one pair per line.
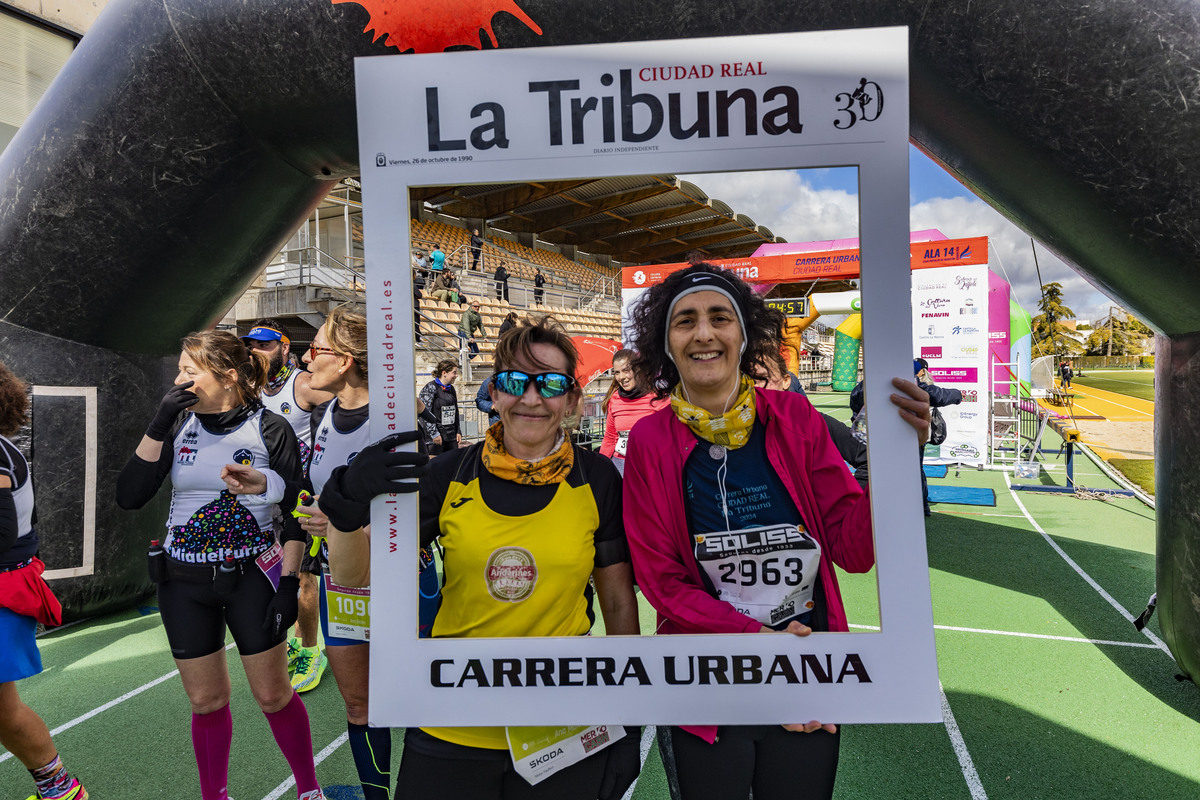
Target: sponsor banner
x,y
819,265
771,102
954,374
950,317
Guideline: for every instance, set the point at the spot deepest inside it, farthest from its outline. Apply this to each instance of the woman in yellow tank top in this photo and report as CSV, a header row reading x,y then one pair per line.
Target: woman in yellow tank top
x,y
527,522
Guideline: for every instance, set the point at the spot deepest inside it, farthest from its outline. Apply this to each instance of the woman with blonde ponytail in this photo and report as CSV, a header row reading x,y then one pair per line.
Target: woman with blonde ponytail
x,y
220,564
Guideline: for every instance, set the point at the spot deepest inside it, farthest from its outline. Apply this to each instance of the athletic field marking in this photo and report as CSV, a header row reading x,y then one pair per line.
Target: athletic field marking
x,y
1093,412
1149,634
88,393
317,759
1077,639
1101,396
960,749
648,733
110,704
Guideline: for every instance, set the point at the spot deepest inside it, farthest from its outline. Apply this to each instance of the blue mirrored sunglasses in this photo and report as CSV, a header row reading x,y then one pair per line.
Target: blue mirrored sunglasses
x,y
549,384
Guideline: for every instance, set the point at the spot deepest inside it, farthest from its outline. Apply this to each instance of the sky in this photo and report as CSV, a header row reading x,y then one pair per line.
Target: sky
x,y
816,204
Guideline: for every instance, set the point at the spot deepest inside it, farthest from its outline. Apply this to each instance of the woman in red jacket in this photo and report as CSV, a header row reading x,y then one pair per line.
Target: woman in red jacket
x,y
725,457
630,399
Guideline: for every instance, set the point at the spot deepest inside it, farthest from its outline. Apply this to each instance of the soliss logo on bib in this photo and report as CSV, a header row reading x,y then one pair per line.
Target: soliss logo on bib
x,y
510,574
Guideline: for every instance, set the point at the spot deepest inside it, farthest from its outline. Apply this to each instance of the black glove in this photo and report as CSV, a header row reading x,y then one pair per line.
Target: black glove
x,y
173,402
346,497
284,607
623,765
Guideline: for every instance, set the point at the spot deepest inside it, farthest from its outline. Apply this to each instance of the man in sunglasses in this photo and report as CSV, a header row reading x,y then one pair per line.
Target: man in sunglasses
x,y
289,395
288,392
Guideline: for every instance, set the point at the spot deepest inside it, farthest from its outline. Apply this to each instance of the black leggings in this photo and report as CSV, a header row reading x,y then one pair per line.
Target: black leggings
x,y
776,764
473,773
195,617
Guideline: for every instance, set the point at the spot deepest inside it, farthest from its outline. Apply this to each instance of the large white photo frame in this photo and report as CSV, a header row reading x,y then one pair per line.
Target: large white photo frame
x,y
836,98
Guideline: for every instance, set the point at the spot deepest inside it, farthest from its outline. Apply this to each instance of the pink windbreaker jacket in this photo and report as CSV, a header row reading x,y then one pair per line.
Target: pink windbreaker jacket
x,y
835,510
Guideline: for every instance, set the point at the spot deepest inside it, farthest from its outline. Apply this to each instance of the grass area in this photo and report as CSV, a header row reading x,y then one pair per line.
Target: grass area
x,y
1137,383
1138,470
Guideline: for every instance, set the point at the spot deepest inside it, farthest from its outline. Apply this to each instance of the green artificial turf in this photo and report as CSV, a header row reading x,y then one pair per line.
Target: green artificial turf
x,y
1134,383
1138,470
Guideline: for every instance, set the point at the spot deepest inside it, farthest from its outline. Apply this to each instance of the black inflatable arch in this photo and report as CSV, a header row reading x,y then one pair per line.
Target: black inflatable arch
x,y
186,139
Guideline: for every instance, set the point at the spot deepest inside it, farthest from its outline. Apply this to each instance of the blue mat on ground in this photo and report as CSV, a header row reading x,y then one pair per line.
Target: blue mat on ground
x,y
962,495
935,470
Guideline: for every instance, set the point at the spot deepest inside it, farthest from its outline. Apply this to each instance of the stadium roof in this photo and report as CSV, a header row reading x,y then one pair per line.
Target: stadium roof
x,y
642,219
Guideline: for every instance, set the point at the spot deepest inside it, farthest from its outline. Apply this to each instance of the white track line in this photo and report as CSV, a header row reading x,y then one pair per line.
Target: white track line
x,y
1077,404
1019,635
960,749
110,704
1149,634
317,759
1078,639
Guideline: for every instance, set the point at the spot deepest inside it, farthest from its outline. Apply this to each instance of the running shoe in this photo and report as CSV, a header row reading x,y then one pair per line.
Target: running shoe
x,y
293,653
315,794
310,666
76,792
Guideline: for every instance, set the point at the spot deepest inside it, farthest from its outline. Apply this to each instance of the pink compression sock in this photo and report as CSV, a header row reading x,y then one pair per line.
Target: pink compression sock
x,y
212,737
292,734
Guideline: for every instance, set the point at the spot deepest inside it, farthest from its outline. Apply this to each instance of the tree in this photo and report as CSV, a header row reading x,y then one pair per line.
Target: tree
x,y
1054,337
1118,334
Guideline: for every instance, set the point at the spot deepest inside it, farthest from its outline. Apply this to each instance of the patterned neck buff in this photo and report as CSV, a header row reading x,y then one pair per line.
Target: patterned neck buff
x,y
276,381
731,429
554,468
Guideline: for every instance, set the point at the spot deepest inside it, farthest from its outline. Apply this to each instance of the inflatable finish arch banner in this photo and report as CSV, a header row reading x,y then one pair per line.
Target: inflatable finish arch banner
x,y
186,139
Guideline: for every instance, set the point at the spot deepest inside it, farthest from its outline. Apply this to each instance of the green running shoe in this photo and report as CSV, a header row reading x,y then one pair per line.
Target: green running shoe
x,y
293,653
310,666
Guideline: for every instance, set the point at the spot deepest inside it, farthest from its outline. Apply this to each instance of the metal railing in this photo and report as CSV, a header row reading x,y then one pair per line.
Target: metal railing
x,y
312,265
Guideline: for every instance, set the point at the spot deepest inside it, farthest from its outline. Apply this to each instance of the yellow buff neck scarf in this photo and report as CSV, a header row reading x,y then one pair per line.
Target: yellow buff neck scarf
x,y
731,429
554,468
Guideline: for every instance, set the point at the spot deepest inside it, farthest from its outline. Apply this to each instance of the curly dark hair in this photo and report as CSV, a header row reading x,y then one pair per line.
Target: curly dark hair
x,y
14,402
649,323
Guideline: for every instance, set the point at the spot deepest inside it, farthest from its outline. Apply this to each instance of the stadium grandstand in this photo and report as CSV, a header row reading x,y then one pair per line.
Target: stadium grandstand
x,y
579,233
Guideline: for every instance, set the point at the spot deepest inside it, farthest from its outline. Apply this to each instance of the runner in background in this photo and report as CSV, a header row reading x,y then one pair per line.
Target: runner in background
x,y
290,394
220,566
441,399
25,600
726,457
629,399
539,502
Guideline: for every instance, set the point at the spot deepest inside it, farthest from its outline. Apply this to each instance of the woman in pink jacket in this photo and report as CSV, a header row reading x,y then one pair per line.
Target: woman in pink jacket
x,y
629,400
725,457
